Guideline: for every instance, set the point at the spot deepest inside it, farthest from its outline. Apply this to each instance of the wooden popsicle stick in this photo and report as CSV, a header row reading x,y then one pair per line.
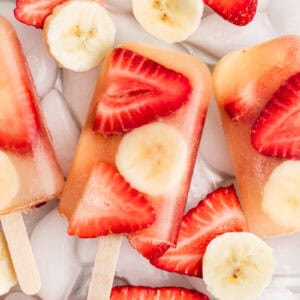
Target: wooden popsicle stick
x,y
104,267
21,253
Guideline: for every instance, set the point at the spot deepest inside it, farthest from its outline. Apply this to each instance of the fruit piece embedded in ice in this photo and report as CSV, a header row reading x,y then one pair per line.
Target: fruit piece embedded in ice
x,y
238,12
79,34
260,86
29,169
281,196
170,21
157,158
7,273
237,265
147,293
218,213
35,12
276,132
152,158
138,91
109,204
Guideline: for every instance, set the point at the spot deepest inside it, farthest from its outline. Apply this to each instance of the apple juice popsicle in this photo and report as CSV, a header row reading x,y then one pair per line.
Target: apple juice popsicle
x,y
144,123
29,173
258,93
135,156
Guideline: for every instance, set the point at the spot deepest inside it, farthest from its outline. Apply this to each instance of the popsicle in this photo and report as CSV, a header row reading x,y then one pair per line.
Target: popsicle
x,y
258,94
29,173
143,128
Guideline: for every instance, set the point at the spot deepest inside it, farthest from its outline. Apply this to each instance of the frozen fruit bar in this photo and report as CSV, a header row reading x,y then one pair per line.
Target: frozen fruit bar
x,y
258,93
137,150
29,173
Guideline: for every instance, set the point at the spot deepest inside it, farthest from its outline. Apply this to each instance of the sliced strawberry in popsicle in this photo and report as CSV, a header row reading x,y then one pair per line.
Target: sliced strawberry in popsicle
x,y
238,12
218,213
276,132
18,120
138,91
147,293
110,205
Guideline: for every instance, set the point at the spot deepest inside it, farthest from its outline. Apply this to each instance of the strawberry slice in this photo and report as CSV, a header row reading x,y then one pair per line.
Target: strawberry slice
x,y
109,205
148,248
138,91
147,293
238,12
218,213
276,132
35,12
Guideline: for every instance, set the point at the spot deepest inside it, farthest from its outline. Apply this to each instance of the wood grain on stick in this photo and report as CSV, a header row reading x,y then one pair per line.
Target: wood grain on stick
x,y
21,252
104,267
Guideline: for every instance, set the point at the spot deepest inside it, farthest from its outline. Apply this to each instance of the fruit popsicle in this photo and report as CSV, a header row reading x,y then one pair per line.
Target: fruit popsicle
x,y
258,93
29,172
144,122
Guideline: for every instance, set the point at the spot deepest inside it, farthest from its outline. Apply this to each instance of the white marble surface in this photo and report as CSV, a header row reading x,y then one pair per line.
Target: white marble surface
x,y
65,262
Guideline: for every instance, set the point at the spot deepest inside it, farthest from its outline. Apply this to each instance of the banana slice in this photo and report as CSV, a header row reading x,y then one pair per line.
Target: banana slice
x,y
152,158
79,34
7,273
237,265
281,195
9,180
168,20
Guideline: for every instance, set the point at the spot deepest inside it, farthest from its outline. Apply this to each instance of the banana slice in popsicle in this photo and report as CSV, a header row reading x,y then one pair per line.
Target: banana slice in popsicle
x,y
152,158
79,34
281,195
237,265
168,20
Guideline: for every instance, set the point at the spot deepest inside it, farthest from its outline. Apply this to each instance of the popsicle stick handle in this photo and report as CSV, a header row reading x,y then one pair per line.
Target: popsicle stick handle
x,y
104,267
21,253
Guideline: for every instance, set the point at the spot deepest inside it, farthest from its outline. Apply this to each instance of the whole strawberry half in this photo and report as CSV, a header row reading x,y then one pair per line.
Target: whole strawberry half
x,y
238,12
276,132
147,293
138,91
109,205
218,213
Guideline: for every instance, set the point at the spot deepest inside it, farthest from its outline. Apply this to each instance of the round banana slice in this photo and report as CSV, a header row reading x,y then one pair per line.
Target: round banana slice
x,y
9,180
237,265
152,158
281,195
169,20
79,34
7,273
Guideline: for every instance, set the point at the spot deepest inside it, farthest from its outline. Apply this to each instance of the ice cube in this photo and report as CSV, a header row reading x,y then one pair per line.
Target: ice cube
x,y
32,217
213,147
42,66
63,128
137,270
287,258
277,294
128,29
263,5
54,251
123,6
78,89
285,18
18,296
219,37
86,251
